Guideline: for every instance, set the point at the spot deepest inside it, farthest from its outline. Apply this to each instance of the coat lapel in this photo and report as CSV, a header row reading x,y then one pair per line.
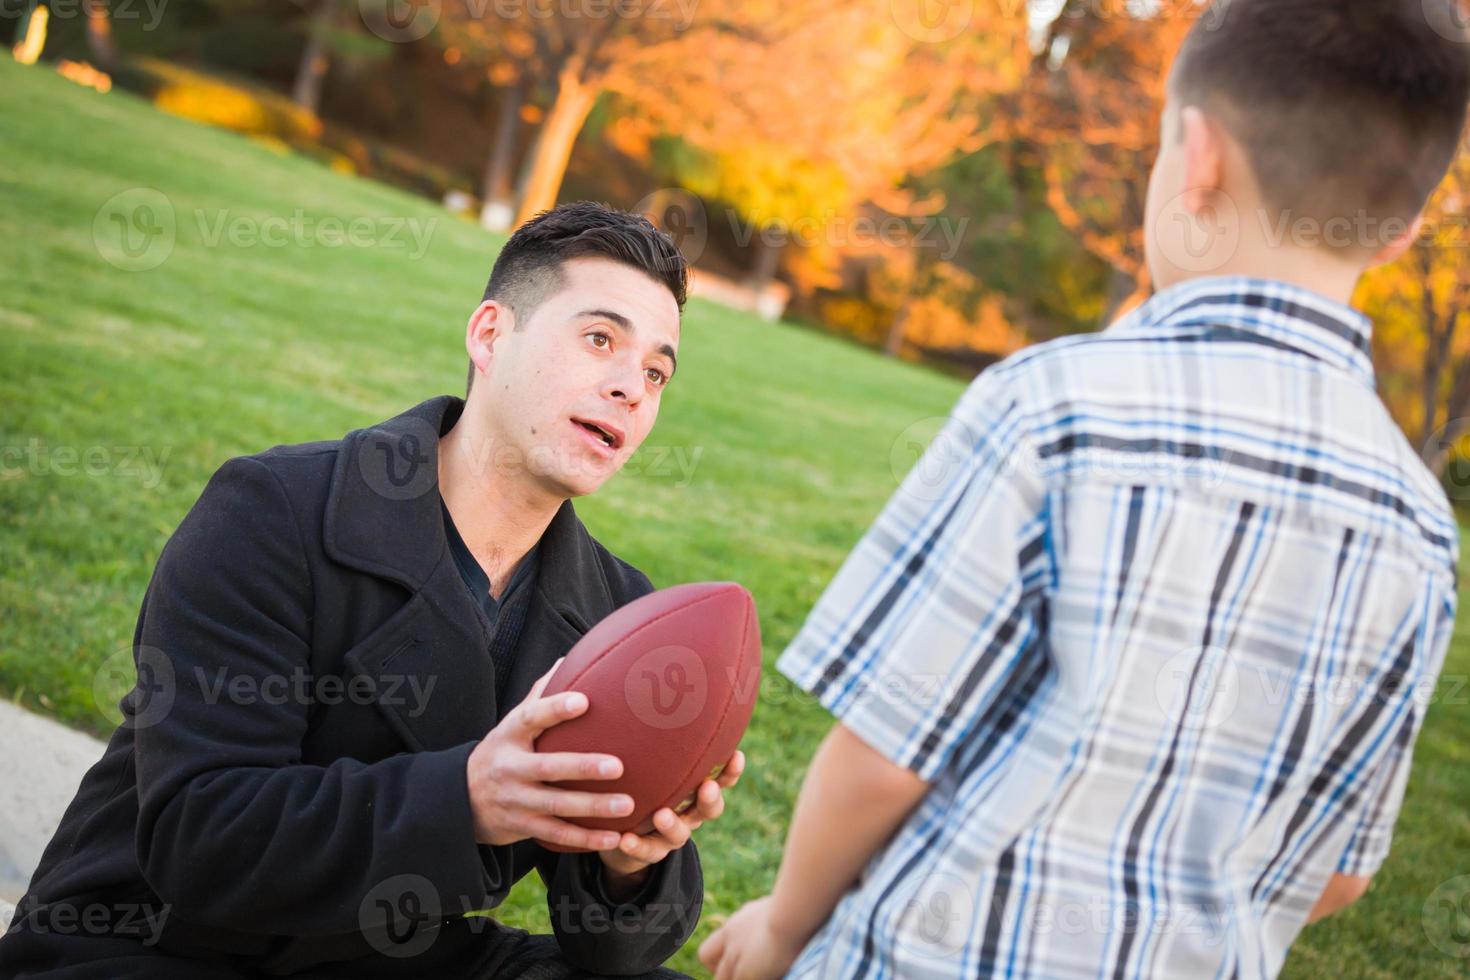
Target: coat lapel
x,y
383,518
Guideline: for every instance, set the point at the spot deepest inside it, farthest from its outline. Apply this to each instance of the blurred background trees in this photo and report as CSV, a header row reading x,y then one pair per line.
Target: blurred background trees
x,y
946,182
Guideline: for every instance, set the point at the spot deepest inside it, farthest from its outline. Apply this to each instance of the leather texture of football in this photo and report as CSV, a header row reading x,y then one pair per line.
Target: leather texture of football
x,y
671,680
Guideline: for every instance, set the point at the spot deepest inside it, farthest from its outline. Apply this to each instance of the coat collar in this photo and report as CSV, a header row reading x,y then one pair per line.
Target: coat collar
x,y
383,515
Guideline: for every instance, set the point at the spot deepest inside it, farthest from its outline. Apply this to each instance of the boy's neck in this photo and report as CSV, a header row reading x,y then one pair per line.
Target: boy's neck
x,y
1307,268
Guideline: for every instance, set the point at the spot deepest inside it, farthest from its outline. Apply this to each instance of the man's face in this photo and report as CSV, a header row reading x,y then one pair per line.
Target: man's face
x,y
572,391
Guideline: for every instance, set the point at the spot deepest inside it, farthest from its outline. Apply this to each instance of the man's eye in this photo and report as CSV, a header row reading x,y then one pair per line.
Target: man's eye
x,y
656,377
604,338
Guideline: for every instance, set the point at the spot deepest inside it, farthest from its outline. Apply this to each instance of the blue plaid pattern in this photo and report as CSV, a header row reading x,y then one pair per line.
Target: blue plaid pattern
x,y
1158,615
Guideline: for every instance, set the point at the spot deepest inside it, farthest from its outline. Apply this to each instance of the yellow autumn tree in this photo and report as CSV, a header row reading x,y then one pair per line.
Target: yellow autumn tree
x,y
1421,311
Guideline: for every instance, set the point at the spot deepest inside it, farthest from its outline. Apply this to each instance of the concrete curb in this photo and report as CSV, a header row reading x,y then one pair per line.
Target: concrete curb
x,y
40,769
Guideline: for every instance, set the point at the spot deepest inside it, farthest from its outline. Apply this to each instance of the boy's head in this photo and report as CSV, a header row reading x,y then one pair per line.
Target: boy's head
x,y
1316,125
573,343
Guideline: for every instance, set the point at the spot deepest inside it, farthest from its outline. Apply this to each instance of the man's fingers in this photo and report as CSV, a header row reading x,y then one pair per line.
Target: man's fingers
x,y
713,948
550,767
566,803
711,801
730,775
674,830
645,850
534,716
570,835
543,680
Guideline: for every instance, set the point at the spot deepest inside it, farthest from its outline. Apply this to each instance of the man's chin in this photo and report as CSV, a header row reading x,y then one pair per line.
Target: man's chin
x,y
570,485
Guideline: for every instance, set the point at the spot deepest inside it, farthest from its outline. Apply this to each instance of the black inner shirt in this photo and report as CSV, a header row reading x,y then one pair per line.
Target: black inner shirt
x,y
506,614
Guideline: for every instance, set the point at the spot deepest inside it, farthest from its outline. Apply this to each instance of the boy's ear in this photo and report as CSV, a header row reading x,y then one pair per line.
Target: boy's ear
x,y
1399,244
486,325
1204,159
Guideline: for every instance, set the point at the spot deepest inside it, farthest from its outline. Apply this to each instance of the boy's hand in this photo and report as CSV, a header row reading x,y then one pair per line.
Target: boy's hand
x,y
635,853
749,946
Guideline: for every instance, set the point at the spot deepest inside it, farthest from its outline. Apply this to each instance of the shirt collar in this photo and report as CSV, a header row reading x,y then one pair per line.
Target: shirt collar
x,y
1283,314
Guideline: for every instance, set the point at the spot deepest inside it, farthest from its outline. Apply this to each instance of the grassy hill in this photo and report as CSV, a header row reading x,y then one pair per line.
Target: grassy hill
x,y
263,298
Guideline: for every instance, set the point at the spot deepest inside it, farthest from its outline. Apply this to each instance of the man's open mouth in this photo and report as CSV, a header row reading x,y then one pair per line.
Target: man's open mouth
x,y
610,437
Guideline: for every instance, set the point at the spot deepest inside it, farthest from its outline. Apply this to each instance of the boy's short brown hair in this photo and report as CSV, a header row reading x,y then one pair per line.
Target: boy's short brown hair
x,y
1344,107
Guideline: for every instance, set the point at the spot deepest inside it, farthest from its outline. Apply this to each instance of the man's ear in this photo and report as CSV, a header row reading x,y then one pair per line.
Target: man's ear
x,y
1204,159
1399,244
486,325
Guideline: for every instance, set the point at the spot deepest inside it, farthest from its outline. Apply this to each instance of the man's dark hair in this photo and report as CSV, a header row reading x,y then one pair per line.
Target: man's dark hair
x,y
529,267
1344,107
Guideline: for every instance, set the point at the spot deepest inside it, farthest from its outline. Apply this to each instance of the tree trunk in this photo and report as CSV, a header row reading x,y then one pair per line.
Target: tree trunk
x,y
1438,336
554,142
498,209
312,69
767,263
898,329
99,35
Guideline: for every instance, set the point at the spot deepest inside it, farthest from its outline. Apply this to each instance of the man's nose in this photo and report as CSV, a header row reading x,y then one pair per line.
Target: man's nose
x,y
625,385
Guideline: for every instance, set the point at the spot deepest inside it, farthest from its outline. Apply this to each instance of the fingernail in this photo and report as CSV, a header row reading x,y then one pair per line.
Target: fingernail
x,y
576,701
607,768
623,804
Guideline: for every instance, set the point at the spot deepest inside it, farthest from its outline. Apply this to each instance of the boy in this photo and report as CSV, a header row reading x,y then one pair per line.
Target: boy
x,y
328,759
1131,688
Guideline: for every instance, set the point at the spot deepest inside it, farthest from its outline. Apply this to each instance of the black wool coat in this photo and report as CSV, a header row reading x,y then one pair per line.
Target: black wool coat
x,y
287,794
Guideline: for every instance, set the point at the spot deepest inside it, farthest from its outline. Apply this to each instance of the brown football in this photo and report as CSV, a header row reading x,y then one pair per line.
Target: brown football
x,y
671,680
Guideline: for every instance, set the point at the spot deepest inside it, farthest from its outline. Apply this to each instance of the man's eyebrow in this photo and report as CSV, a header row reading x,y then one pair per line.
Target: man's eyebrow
x,y
616,318
627,326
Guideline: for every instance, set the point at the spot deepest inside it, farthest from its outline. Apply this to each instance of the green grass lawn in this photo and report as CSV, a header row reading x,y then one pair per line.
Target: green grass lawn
x,y
124,388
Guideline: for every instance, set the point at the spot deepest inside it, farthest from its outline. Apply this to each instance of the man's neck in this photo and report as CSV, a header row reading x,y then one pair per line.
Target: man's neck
x,y
499,515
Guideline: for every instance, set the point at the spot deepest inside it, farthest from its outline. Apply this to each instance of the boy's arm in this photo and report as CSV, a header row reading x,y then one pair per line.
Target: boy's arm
x,y
1341,891
852,793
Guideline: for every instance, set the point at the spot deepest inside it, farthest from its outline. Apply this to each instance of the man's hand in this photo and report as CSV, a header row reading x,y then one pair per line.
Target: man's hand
x,y
750,946
507,779
633,854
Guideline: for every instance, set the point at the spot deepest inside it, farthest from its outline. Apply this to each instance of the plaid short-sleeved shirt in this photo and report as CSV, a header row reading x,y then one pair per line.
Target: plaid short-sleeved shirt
x,y
1158,614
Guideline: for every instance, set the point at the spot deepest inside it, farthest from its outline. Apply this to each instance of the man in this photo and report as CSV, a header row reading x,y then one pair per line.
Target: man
x,y
1129,672
327,766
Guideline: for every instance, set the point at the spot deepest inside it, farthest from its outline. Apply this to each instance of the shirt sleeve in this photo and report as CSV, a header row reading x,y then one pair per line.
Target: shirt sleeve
x,y
1377,808
939,605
